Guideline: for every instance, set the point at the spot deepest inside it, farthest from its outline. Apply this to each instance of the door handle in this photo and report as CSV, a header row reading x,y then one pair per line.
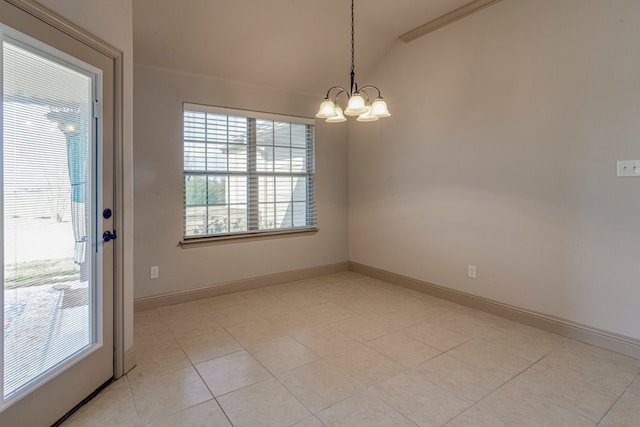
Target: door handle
x,y
107,235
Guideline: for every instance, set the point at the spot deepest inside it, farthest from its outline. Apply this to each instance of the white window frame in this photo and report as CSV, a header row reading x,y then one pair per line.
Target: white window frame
x,y
252,174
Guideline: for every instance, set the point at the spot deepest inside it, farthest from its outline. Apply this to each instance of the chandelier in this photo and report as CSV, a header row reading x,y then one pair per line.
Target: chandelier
x,y
357,105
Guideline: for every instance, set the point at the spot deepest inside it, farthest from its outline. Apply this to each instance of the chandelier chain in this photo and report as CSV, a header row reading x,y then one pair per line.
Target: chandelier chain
x,y
353,88
353,54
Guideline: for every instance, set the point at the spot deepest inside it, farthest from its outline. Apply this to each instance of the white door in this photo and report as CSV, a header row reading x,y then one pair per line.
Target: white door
x,y
56,172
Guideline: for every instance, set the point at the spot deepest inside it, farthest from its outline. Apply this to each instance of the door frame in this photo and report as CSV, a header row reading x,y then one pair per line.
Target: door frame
x,y
58,22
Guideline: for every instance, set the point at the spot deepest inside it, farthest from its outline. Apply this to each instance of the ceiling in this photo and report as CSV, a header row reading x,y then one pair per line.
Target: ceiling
x,y
298,45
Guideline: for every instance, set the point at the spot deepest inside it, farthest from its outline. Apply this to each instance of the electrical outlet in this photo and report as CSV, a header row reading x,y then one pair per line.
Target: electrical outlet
x,y
628,168
155,273
471,271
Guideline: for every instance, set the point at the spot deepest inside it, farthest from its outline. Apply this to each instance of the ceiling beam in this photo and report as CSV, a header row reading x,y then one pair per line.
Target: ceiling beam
x,y
446,19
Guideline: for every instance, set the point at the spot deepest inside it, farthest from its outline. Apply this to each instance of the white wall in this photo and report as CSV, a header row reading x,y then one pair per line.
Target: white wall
x,y
112,21
158,190
502,152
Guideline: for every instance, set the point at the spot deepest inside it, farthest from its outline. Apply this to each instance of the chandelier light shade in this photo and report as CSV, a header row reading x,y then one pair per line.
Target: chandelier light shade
x,y
356,105
327,109
358,99
379,108
368,116
338,118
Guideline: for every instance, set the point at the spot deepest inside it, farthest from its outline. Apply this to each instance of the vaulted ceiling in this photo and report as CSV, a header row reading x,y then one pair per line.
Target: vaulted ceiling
x,y
299,45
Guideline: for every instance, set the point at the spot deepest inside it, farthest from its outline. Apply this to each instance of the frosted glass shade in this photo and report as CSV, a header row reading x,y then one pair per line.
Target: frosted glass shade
x,y
379,108
327,109
356,106
368,116
339,117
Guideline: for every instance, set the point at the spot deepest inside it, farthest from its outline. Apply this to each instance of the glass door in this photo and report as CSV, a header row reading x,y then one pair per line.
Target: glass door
x,y
57,305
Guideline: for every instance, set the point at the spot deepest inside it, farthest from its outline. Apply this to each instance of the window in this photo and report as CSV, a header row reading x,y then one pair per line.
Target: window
x,y
247,173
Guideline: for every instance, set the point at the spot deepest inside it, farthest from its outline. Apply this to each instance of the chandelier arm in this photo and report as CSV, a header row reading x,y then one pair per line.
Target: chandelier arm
x,y
339,92
371,87
362,91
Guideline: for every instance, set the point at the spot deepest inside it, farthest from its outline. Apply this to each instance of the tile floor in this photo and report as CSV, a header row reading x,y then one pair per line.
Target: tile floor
x,y
349,350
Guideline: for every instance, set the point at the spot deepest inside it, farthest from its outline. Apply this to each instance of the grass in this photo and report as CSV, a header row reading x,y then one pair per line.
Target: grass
x,y
41,272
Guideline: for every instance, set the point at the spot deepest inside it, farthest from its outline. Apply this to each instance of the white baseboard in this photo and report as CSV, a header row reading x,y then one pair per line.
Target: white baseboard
x,y
129,359
608,340
237,286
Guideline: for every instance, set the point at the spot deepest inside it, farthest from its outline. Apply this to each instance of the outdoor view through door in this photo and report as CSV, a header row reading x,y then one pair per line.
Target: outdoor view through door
x,y
49,266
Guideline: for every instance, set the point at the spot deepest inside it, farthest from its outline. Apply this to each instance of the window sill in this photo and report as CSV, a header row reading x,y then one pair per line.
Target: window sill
x,y
197,242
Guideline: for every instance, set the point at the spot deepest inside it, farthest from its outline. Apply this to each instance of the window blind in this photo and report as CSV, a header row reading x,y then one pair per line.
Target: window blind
x,y
246,172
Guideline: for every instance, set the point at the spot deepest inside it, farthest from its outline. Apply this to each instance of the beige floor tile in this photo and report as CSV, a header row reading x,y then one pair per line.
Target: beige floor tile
x,y
526,346
362,328
626,411
235,315
221,301
499,322
635,387
251,295
403,349
361,303
182,310
422,401
365,365
363,410
402,317
309,422
300,299
461,379
191,325
142,319
628,363
319,385
325,342
309,284
572,393
464,324
331,293
282,355
434,312
209,346
530,330
231,372
153,337
252,333
330,312
609,378
490,359
266,404
477,417
345,276
290,322
435,336
269,310
156,396
207,414
518,407
158,361
112,407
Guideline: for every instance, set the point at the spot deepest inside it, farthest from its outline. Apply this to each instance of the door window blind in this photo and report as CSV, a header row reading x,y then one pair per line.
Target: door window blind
x,y
246,172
